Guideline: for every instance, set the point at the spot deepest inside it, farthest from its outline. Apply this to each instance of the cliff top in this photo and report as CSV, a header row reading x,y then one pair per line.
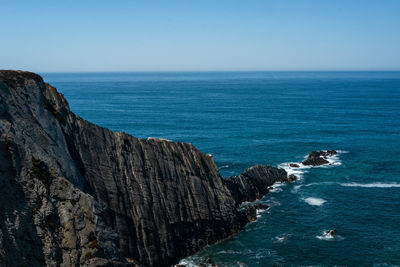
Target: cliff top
x,y
18,77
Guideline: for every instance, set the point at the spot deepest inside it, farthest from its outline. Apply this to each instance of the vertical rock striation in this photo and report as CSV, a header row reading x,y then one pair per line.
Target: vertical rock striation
x,y
253,183
74,193
46,218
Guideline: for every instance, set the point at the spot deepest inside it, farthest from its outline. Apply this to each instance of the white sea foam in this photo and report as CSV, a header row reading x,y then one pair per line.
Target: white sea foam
x,y
296,188
259,211
299,171
229,252
281,238
272,202
187,263
276,187
275,190
327,237
263,253
159,139
384,264
321,183
278,184
333,161
372,185
314,201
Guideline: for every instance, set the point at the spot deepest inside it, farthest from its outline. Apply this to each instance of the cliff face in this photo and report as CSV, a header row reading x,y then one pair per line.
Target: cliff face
x,y
74,193
46,218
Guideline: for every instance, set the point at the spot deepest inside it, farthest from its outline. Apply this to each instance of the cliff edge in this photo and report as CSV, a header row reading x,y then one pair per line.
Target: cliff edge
x,y
74,193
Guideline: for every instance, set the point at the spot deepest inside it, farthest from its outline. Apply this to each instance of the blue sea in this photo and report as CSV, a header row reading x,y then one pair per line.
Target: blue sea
x,y
248,118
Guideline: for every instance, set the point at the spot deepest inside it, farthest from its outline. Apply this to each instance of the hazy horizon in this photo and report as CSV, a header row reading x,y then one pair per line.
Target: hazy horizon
x,y
177,36
199,71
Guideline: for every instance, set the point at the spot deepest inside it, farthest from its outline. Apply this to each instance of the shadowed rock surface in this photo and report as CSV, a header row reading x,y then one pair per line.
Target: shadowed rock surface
x,y
74,193
317,158
253,183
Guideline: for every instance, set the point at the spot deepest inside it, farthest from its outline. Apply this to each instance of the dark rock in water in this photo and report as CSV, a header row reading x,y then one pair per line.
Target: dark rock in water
x,y
270,188
331,232
292,178
317,158
209,261
331,152
253,183
294,165
76,194
261,206
250,213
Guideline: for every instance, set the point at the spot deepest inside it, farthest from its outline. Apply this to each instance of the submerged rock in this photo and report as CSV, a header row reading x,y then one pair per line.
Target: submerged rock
x,y
292,178
251,213
74,193
317,158
294,165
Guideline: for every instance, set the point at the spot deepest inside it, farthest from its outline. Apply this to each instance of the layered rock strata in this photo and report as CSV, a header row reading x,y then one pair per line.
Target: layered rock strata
x,y
74,193
254,182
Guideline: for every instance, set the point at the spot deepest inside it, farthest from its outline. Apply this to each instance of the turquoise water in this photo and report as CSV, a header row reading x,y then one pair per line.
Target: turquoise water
x,y
246,118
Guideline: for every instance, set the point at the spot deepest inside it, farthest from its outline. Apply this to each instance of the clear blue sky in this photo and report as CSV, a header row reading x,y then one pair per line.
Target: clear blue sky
x,y
201,35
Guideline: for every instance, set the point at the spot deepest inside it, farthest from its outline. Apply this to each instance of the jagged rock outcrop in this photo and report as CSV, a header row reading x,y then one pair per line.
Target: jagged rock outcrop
x,y
253,183
74,193
46,218
317,158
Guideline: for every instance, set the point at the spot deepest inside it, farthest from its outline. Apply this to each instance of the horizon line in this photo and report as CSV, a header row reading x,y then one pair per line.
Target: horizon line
x,y
216,71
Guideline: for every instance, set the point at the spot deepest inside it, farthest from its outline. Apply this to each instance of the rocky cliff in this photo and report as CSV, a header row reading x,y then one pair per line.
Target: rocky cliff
x,y
253,183
74,193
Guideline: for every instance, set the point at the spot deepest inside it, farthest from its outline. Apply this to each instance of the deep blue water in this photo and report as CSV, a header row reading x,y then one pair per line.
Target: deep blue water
x,y
248,118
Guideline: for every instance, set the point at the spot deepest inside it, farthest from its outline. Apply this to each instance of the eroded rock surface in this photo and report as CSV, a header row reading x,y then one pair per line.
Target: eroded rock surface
x,y
253,183
76,194
46,218
317,158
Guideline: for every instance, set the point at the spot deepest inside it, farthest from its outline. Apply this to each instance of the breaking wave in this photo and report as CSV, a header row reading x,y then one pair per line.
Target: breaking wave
x,y
327,237
300,169
314,201
372,185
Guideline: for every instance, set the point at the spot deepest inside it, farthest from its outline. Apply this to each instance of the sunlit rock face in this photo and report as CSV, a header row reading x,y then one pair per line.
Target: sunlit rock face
x,y
74,193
